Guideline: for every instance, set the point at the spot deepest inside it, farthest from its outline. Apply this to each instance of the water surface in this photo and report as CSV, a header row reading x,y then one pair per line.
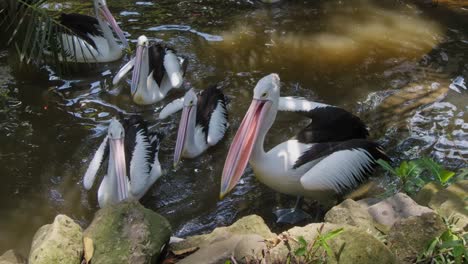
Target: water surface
x,y
355,55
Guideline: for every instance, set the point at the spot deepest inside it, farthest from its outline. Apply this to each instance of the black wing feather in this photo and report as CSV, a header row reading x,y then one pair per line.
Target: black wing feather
x,y
321,150
331,124
208,100
83,26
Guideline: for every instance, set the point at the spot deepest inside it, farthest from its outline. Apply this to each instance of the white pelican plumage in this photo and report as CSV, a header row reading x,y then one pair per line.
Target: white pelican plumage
x,y
156,70
132,152
328,157
95,40
203,122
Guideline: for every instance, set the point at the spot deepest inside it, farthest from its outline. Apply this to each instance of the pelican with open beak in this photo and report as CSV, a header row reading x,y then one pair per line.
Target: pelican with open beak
x,y
94,36
328,157
156,70
131,151
203,122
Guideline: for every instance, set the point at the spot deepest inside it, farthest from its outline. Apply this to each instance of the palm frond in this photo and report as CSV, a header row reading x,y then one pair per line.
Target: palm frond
x,y
36,34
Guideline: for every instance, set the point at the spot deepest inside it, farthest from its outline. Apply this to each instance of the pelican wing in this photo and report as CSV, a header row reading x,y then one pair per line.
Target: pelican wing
x,y
212,114
123,71
329,123
139,165
95,164
171,108
173,69
342,165
298,104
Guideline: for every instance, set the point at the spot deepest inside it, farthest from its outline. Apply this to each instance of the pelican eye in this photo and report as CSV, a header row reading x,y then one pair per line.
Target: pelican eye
x,y
264,94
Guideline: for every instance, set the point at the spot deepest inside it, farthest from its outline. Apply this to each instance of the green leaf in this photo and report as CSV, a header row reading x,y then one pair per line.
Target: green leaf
x,y
384,164
300,251
440,173
302,241
332,234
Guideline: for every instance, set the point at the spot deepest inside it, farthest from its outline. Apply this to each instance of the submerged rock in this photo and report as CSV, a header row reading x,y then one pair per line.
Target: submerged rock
x,y
424,196
452,202
59,242
127,233
12,257
353,245
408,237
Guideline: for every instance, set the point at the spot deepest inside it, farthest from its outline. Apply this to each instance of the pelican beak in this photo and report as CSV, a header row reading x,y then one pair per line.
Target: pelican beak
x,y
242,145
181,134
111,20
137,68
118,157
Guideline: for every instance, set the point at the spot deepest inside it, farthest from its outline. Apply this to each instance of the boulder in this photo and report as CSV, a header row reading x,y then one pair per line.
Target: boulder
x,y
452,202
351,213
410,236
394,208
248,225
353,245
127,233
59,242
12,257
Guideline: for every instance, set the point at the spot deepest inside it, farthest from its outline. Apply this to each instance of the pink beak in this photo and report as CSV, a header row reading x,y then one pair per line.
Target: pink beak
x,y
111,20
242,145
181,134
136,69
118,151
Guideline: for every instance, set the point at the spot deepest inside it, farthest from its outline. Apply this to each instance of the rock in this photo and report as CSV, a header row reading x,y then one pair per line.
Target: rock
x,y
424,196
399,206
59,242
12,257
127,233
408,237
452,203
242,247
353,245
351,213
252,224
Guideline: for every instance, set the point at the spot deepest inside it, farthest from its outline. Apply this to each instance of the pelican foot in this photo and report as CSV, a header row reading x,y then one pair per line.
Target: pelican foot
x,y
291,216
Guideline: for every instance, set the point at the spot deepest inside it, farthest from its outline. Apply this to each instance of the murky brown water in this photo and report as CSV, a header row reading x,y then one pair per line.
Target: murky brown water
x,y
356,55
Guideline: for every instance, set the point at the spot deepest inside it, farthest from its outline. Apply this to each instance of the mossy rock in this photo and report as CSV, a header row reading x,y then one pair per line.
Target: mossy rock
x,y
352,246
127,233
59,242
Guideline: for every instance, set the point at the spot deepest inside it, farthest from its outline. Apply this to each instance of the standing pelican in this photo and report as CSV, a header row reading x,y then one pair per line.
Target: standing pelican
x,y
203,122
156,70
328,157
133,152
95,40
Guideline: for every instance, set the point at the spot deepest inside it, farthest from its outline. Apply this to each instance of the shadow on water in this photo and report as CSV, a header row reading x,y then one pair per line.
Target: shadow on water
x,y
386,61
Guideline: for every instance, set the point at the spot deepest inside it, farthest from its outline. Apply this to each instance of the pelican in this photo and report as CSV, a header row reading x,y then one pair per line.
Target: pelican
x,y
203,122
328,157
131,151
156,70
94,40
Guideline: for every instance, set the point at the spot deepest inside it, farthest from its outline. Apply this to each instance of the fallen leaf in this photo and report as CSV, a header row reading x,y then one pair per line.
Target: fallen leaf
x,y
184,251
88,249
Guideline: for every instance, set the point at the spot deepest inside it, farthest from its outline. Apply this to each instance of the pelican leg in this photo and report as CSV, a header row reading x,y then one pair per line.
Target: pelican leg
x,y
292,215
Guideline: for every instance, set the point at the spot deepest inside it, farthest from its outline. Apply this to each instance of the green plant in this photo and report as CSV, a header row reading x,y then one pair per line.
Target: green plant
x,y
32,31
416,173
319,250
450,247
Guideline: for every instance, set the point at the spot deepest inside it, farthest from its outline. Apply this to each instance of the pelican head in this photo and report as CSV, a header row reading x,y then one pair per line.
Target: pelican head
x,y
190,103
103,14
258,119
116,135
